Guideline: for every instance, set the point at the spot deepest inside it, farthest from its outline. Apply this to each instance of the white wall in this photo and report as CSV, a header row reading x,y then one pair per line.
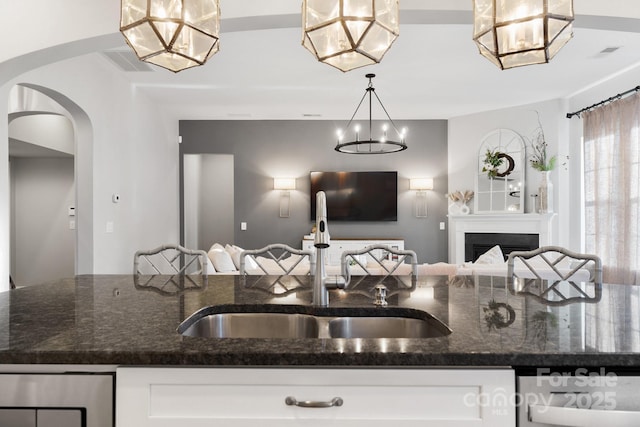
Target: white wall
x,y
44,245
466,133
5,224
192,175
135,154
208,200
51,131
565,140
217,200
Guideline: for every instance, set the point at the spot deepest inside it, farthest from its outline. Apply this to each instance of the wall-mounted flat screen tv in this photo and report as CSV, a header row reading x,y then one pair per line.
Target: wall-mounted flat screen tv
x,y
357,196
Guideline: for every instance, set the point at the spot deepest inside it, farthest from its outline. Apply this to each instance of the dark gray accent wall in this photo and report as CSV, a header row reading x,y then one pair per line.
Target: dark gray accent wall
x,y
264,150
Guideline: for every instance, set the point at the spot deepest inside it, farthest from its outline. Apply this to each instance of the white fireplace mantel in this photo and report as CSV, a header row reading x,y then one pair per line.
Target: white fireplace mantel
x,y
531,223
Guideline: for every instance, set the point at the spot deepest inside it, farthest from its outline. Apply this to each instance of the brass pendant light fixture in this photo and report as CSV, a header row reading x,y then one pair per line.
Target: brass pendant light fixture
x,y
383,143
348,34
513,33
173,34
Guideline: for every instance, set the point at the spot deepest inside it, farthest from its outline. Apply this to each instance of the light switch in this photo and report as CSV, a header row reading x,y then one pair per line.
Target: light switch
x,y
442,226
72,224
109,227
243,226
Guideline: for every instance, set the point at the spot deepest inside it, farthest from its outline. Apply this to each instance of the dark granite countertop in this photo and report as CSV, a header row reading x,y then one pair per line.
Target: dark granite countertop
x,y
109,319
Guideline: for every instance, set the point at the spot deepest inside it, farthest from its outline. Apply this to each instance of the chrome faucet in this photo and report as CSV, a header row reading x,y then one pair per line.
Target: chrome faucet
x,y
322,240
321,243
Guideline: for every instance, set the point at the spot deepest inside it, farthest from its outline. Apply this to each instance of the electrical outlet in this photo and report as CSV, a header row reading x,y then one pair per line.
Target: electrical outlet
x,y
243,226
442,226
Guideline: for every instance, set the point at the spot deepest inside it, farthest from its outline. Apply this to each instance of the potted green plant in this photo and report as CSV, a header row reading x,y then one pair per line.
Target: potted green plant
x,y
540,161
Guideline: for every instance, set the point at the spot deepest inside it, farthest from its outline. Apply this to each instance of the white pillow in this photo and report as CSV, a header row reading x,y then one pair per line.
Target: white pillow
x,y
235,255
222,261
403,269
293,259
216,247
210,269
492,256
269,264
235,252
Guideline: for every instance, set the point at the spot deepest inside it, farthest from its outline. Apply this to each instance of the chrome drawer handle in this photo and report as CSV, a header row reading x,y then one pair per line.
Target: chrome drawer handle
x,y
292,401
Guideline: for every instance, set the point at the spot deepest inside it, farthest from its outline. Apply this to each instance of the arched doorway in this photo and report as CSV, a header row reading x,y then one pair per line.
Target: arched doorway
x,y
48,120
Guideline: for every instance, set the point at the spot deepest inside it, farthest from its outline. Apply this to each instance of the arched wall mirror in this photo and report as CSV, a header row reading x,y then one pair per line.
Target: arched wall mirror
x,y
500,173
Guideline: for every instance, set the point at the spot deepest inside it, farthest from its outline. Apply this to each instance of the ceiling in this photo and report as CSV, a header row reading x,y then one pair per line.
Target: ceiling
x,y
433,71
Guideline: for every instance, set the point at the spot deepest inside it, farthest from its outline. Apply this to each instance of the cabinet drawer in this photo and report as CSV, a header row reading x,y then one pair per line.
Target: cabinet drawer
x,y
244,397
268,401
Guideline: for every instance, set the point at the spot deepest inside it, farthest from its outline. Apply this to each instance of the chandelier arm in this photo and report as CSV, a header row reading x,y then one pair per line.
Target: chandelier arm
x,y
385,111
356,111
371,89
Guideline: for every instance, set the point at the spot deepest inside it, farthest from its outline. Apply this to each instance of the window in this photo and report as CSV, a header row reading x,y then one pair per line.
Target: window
x,y
612,179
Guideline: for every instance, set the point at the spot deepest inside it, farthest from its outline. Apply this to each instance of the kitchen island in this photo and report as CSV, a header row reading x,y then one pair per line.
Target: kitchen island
x,y
126,325
109,319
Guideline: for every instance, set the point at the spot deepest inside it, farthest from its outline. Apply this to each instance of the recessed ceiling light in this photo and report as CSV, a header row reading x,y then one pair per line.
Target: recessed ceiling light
x,y
311,115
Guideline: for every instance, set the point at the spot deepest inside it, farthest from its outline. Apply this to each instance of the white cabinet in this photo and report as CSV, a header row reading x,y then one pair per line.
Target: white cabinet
x,y
334,252
197,397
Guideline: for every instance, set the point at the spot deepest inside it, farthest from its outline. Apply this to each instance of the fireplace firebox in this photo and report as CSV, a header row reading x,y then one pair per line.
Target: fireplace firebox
x,y
475,244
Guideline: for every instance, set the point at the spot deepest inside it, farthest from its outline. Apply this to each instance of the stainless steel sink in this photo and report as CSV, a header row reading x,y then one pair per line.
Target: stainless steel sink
x,y
296,322
386,327
254,325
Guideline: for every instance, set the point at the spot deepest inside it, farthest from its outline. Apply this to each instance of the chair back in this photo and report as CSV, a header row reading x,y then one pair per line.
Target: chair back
x,y
277,259
555,275
170,259
379,260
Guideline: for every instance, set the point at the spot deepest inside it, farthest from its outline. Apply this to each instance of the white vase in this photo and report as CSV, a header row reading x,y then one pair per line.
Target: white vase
x,y
545,193
454,208
464,209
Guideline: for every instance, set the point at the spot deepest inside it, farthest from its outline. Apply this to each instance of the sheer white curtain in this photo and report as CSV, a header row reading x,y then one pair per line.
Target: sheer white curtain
x,y
612,182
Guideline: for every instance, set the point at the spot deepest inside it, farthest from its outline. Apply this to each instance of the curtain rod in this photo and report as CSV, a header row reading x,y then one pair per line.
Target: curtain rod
x,y
613,98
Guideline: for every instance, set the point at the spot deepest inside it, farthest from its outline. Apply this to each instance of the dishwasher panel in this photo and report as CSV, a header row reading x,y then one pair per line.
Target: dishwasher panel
x,y
578,400
57,400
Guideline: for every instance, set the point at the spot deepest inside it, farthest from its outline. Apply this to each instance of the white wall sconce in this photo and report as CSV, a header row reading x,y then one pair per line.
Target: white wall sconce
x,y
420,185
285,185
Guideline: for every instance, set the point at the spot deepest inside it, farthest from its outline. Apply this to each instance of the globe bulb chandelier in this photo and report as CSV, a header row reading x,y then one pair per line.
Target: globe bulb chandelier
x,y
360,144
348,34
173,34
513,33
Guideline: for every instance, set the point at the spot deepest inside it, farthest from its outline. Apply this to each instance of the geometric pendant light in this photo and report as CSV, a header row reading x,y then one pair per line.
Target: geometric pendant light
x,y
349,34
173,34
513,33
